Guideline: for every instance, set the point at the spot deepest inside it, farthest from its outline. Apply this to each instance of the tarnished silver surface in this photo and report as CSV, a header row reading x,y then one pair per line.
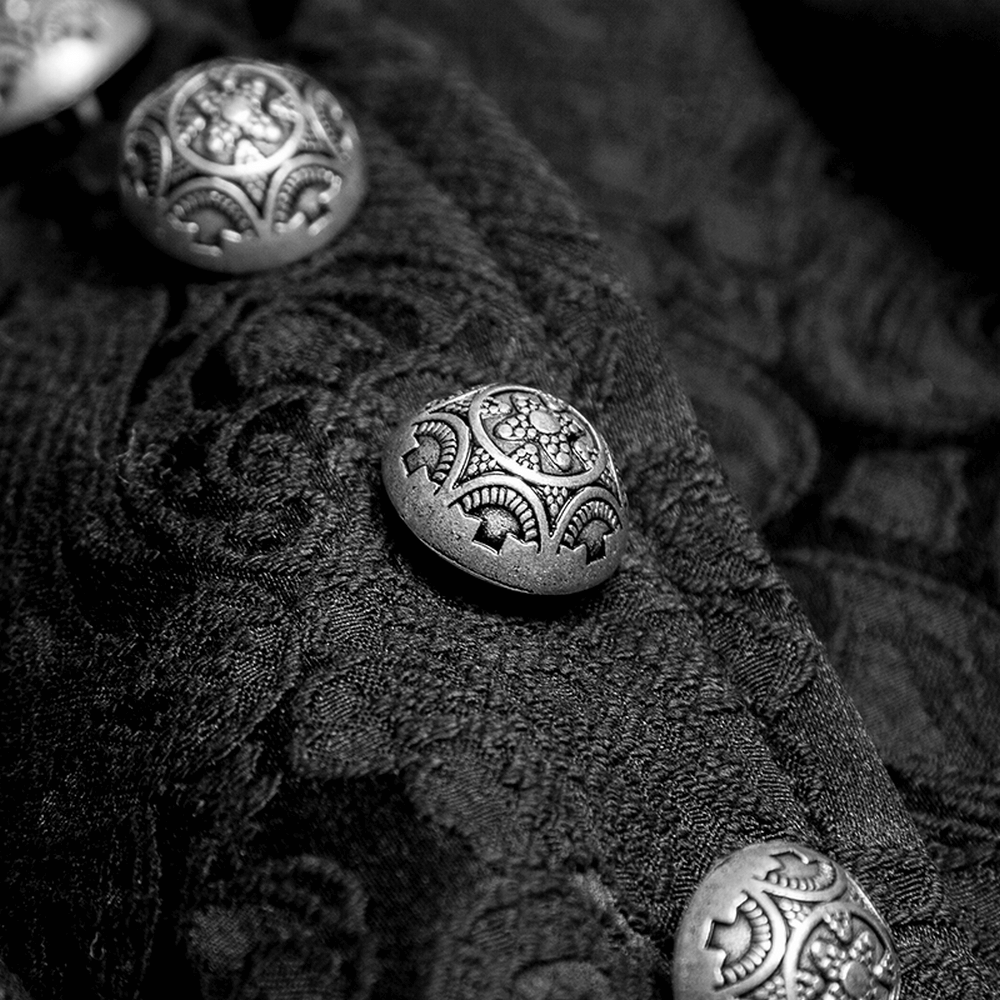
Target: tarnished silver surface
x,y
54,53
779,921
239,165
511,485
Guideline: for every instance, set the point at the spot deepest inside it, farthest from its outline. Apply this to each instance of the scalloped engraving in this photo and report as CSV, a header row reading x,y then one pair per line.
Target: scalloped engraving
x,y
148,160
212,217
436,451
305,195
802,874
501,512
331,119
745,942
590,525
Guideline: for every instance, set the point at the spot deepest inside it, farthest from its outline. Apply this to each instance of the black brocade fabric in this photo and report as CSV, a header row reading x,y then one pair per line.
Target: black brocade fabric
x,y
257,744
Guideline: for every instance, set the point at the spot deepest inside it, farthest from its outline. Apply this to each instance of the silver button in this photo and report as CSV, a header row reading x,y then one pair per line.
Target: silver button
x,y
55,53
779,920
511,485
239,165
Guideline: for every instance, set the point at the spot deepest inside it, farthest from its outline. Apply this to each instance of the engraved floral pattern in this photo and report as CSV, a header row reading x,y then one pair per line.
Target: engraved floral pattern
x,y
847,965
540,434
234,120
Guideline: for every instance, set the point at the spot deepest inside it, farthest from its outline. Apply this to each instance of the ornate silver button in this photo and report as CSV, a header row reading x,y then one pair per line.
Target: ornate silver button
x,y
778,921
511,485
54,53
238,165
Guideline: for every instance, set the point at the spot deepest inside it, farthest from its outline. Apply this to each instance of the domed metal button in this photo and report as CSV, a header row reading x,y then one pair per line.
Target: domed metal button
x,y
778,921
54,53
238,165
511,485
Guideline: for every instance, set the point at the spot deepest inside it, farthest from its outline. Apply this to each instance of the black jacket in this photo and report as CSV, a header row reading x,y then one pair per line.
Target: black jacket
x,y
257,743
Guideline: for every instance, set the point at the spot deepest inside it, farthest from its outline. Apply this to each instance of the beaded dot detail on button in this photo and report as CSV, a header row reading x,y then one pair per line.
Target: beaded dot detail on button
x,y
239,165
55,53
779,921
511,485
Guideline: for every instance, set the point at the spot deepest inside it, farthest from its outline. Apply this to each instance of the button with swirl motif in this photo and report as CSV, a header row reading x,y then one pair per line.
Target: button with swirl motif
x,y
511,485
239,165
779,921
55,53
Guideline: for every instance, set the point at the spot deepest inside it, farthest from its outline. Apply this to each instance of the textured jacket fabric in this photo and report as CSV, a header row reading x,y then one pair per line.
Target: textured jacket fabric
x,y
257,743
